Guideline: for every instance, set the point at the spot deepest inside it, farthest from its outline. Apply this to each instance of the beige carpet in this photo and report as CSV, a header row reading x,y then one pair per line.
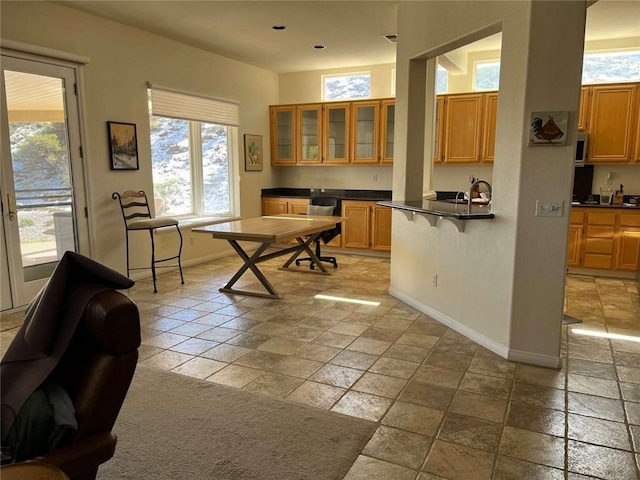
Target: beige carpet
x,y
177,427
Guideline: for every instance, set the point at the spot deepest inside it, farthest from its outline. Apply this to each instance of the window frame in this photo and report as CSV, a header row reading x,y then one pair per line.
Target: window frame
x,y
475,75
196,170
336,75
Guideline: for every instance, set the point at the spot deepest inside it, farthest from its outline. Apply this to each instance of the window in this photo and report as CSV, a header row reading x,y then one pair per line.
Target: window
x,y
346,87
442,80
486,76
611,67
194,154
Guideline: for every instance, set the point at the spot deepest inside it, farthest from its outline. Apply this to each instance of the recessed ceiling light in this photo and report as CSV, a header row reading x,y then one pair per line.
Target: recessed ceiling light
x,y
319,47
278,27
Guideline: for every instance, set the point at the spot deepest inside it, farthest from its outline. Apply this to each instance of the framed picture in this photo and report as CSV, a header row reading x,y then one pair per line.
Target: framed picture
x,y
548,128
253,153
123,146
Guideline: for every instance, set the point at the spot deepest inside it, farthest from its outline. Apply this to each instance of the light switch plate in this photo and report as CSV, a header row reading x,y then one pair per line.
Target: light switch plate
x,y
549,208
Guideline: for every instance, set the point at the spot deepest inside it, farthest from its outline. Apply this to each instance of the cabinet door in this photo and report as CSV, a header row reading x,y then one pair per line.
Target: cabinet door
x,y
298,206
309,134
637,130
336,133
356,227
438,122
283,147
274,206
583,114
611,123
381,228
489,130
575,246
387,124
628,248
463,121
365,131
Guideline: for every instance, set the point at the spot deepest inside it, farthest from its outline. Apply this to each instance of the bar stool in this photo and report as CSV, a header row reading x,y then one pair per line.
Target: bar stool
x,y
137,216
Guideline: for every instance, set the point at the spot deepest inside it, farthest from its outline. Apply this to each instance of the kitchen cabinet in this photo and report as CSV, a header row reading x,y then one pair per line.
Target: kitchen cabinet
x,y
583,113
365,130
333,133
637,156
367,226
612,123
458,128
279,205
489,127
336,133
462,128
283,134
387,125
576,232
604,238
628,242
309,137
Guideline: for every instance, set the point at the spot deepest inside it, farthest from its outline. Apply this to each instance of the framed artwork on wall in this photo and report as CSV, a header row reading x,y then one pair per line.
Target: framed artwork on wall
x,y
253,153
548,128
123,146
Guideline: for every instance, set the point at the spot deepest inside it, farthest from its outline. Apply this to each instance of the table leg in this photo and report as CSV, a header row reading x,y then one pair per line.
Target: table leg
x,y
250,263
304,247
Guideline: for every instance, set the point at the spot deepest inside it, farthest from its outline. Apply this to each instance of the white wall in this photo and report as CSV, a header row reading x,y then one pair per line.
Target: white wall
x,y
501,281
122,60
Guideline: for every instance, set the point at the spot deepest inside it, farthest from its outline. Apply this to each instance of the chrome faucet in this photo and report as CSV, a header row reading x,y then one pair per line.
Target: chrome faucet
x,y
475,185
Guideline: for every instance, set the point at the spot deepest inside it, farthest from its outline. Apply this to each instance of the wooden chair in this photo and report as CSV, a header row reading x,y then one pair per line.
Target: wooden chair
x,y
137,217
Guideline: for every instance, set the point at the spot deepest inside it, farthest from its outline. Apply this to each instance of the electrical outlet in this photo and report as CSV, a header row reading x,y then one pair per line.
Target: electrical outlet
x,y
435,280
375,178
549,209
192,241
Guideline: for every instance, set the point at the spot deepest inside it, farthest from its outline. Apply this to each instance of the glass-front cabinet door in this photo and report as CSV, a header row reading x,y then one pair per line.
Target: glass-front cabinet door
x,y
365,118
336,133
387,123
438,123
309,134
283,146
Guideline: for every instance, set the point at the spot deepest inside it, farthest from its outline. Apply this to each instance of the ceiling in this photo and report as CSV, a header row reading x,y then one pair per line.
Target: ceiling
x,y
352,31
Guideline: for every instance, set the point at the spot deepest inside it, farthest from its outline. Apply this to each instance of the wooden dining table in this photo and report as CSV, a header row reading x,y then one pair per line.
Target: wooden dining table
x,y
267,231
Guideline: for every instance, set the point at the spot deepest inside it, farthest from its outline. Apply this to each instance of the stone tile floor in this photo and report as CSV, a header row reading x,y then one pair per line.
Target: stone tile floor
x,y
445,407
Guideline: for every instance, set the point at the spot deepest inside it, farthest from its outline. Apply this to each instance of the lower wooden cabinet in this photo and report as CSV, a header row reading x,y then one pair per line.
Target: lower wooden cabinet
x,y
367,226
605,239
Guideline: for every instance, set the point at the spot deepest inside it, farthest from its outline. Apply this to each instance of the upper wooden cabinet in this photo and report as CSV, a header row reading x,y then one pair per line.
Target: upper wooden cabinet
x,y
336,133
637,156
489,127
462,128
333,133
309,137
583,114
387,125
365,118
438,134
283,135
612,123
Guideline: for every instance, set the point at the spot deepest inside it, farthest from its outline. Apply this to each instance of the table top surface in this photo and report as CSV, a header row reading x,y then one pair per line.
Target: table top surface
x,y
272,228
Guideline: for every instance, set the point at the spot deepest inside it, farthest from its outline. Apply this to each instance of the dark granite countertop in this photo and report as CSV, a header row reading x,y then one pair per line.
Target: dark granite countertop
x,y
372,195
441,208
625,206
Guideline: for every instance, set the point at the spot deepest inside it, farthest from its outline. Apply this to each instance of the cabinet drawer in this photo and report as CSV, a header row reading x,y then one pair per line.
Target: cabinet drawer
x,y
599,245
599,232
629,220
602,219
577,217
598,261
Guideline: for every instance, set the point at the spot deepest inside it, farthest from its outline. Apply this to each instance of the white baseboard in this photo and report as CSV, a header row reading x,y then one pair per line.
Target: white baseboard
x,y
488,343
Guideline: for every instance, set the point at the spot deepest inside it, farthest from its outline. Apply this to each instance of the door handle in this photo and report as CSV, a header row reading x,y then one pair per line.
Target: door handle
x,y
11,204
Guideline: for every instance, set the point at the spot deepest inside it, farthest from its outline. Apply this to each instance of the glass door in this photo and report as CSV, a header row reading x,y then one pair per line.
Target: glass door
x,y
387,124
41,173
365,131
336,137
310,131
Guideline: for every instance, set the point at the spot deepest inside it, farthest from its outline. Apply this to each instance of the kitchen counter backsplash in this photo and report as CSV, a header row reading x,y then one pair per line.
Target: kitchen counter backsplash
x,y
376,195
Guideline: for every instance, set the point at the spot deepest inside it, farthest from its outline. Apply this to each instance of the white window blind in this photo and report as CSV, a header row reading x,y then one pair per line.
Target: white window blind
x,y
170,103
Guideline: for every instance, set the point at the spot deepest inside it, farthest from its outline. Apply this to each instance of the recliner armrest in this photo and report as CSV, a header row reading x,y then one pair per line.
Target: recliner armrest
x,y
82,457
